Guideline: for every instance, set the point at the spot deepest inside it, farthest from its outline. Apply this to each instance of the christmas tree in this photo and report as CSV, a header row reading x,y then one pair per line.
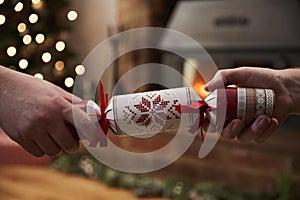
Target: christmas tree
x,y
34,39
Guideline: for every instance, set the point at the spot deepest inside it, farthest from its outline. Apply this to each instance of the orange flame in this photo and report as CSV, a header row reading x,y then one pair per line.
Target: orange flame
x,y
199,88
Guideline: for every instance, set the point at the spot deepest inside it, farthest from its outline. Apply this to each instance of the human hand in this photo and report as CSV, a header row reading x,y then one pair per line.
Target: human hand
x,y
35,114
251,77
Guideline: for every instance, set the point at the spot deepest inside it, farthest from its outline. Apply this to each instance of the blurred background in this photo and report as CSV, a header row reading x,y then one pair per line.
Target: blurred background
x,y
50,40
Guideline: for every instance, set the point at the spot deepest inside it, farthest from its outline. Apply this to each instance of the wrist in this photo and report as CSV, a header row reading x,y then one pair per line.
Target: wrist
x,y
290,81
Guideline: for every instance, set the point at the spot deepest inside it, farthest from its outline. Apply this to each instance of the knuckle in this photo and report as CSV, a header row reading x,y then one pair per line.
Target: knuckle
x,y
25,133
56,99
55,103
219,73
41,117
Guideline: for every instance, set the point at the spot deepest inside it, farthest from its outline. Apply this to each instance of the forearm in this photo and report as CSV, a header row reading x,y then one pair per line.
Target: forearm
x,y
8,88
3,86
4,91
3,72
291,81
6,84
6,76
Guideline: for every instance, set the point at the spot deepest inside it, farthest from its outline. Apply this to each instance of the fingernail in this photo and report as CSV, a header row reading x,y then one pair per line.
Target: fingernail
x,y
263,122
236,128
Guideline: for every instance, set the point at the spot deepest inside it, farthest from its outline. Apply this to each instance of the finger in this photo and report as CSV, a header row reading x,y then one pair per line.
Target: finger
x,y
31,147
63,137
74,99
47,145
71,98
269,131
80,120
233,129
68,96
256,129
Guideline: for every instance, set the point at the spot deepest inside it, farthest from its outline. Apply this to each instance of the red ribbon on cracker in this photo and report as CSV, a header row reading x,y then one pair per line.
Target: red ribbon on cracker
x,y
196,107
101,133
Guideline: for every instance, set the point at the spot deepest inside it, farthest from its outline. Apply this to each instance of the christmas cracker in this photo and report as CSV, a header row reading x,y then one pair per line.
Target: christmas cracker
x,y
180,108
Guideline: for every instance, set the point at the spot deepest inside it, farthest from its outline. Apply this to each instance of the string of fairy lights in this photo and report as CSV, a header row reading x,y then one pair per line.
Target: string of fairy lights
x,y
39,39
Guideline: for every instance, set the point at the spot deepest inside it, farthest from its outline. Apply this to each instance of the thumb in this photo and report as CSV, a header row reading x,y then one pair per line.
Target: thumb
x,y
242,77
216,82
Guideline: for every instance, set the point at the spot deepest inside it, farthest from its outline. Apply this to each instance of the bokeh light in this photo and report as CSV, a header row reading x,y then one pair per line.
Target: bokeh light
x,y
35,1
37,4
39,38
19,6
46,57
69,82
21,27
59,65
33,18
23,63
39,75
11,51
2,19
60,46
27,39
72,15
79,69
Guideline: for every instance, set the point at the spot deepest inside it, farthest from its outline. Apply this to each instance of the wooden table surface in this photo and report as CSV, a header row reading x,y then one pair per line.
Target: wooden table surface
x,y
40,183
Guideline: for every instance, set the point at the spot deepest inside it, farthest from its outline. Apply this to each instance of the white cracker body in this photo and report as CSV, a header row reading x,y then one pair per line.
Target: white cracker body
x,y
151,112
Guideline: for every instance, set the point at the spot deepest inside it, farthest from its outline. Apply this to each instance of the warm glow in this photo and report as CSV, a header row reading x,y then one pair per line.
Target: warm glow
x,y
21,27
39,38
69,82
35,1
79,69
19,6
1,2
33,18
27,39
60,46
38,5
72,15
23,63
199,88
46,57
2,19
11,51
38,75
59,65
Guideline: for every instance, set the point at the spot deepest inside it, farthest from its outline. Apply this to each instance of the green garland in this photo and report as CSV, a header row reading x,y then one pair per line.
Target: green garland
x,y
144,186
